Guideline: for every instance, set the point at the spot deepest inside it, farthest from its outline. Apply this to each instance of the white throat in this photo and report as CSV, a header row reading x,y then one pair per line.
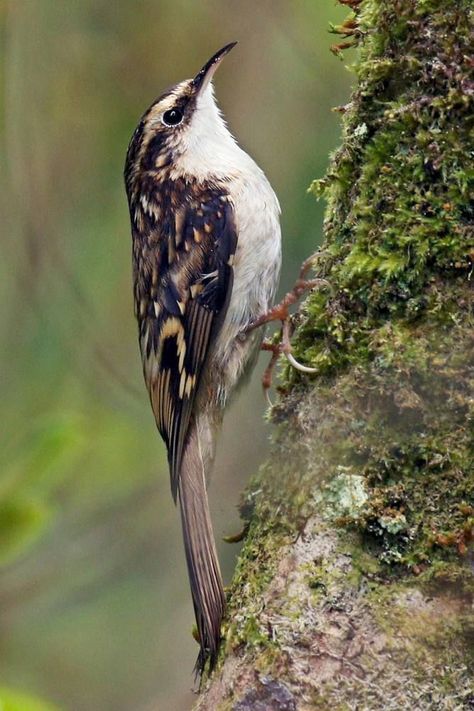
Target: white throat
x,y
207,148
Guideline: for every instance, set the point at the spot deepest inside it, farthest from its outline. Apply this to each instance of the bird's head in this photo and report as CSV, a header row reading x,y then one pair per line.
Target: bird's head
x,y
181,119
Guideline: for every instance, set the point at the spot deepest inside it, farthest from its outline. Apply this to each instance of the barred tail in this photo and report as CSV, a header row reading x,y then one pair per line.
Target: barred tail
x,y
201,556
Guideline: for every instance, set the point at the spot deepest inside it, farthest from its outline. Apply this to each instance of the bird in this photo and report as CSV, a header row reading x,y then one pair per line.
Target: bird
x,y
206,253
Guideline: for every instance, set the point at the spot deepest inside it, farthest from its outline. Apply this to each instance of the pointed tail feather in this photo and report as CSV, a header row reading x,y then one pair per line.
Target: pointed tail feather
x,y
201,556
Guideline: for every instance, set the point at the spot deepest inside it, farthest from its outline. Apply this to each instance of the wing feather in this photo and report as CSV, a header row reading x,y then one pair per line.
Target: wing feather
x,y
194,260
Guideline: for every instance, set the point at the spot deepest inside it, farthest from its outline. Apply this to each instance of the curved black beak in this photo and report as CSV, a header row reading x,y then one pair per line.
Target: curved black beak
x,y
202,79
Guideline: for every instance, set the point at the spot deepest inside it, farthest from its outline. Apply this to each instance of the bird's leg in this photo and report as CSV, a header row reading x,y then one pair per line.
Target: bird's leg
x,y
276,350
281,312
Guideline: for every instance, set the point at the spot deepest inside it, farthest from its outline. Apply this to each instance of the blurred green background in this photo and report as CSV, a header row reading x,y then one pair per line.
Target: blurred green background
x,y
95,612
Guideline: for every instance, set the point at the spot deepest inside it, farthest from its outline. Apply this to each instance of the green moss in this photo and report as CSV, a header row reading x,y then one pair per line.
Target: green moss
x,y
256,565
399,223
366,565
395,322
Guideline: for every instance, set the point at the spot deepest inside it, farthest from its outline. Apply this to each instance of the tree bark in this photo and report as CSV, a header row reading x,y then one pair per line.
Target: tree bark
x,y
354,588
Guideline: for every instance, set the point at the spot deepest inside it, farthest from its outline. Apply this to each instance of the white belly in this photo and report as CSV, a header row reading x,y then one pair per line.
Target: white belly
x,y
258,257
256,273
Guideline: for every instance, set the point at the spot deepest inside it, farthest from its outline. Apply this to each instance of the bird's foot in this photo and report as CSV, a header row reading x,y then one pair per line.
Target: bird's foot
x,y
276,351
281,312
282,347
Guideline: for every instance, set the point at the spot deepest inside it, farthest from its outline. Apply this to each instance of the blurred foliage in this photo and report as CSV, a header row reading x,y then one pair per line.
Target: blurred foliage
x,y
94,603
21,522
14,701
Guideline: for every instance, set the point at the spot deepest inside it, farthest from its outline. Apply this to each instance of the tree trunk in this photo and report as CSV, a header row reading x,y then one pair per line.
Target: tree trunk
x,y
355,585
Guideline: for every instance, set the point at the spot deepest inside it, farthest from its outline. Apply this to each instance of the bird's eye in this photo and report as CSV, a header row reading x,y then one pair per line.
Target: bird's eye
x,y
172,117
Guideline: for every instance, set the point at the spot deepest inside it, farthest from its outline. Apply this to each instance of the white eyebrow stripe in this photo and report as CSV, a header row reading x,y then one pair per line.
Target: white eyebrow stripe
x,y
167,102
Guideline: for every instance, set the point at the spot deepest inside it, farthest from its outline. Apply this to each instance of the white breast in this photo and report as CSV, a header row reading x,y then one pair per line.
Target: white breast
x,y
256,272
258,257
209,152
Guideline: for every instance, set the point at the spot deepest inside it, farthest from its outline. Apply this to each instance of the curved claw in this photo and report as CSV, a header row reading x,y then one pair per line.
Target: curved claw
x,y
299,366
268,398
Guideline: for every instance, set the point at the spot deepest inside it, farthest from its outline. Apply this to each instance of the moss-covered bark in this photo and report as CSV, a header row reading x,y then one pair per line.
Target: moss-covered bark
x,y
355,585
